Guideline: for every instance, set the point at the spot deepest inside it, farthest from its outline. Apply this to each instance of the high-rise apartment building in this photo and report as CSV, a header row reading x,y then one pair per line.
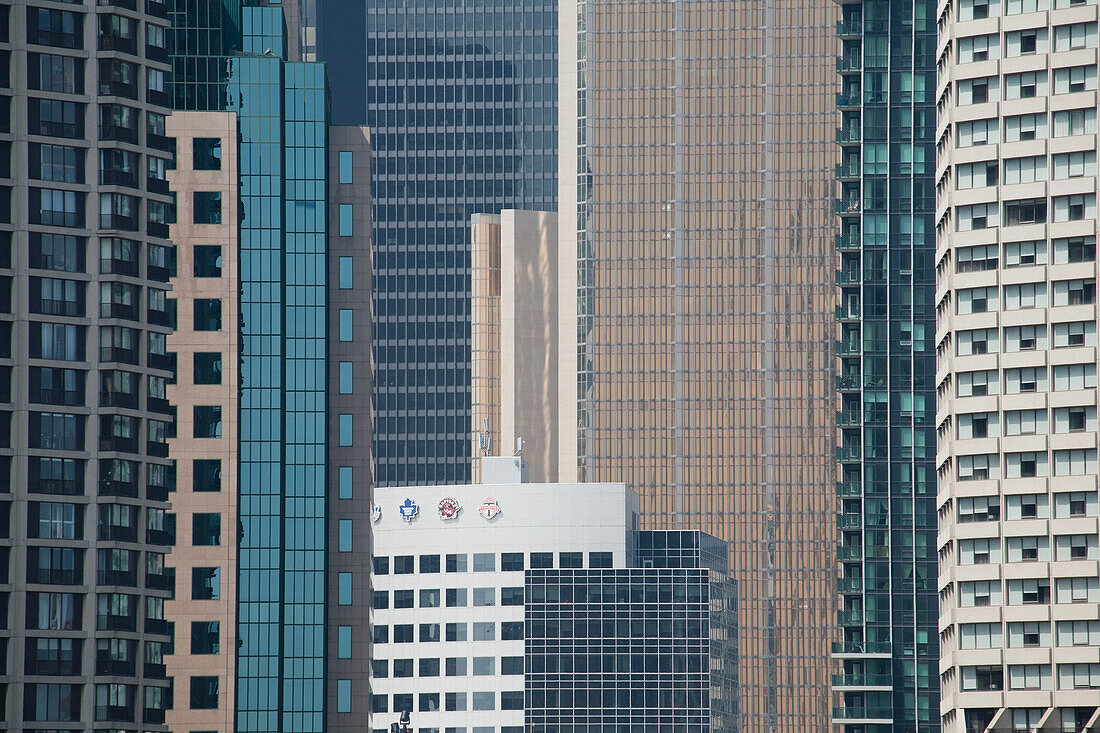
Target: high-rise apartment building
x,y
1016,338
888,653
232,58
85,476
696,206
460,100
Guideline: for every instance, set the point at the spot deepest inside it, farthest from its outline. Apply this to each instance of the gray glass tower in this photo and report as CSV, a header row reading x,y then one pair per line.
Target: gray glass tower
x,y
461,102
889,651
231,57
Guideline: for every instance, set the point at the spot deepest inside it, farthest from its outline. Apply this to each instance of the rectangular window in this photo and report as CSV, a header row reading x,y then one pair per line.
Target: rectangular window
x,y
456,598
207,207
204,693
511,561
208,314
484,666
208,421
347,430
429,598
485,631
346,377
207,367
347,226
206,529
346,159
456,563
207,260
345,533
485,562
456,632
347,275
485,596
344,476
205,637
343,581
343,642
205,584
403,634
206,154
455,667
511,596
511,631
403,565
206,474
343,696
346,324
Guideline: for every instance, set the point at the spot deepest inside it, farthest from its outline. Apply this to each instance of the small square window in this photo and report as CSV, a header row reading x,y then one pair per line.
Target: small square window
x,y
207,367
403,565
206,529
429,563
208,421
511,561
206,154
573,560
206,475
485,562
204,693
205,637
205,584
456,598
207,260
599,560
542,560
207,207
456,563
208,314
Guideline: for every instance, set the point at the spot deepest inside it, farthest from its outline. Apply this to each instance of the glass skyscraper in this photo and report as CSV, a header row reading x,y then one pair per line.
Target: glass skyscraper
x,y
460,100
232,58
886,355
696,204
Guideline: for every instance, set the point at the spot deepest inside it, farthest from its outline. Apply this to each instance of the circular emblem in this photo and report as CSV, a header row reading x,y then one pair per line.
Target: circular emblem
x,y
375,513
449,508
489,508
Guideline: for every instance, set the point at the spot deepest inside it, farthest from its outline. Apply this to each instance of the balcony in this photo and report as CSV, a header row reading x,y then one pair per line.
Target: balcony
x,y
51,307
108,487
844,207
849,418
57,486
849,618
158,581
156,493
119,222
156,671
158,97
849,64
115,667
861,648
118,267
849,554
118,443
118,354
53,667
57,39
160,142
157,450
849,28
156,626
848,242
849,521
153,715
156,185
847,171
127,578
117,43
159,404
848,384
114,713
67,397
845,135
849,489
159,318
125,4
118,399
156,53
110,622
850,586
156,9
48,576
156,229
883,715
848,453
159,537
848,277
118,133
848,348
846,101
862,680
157,274
108,177
164,362
112,88
117,533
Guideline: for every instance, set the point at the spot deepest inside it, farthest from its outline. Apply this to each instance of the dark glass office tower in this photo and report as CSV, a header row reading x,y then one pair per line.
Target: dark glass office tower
x,y
887,360
84,315
461,103
232,58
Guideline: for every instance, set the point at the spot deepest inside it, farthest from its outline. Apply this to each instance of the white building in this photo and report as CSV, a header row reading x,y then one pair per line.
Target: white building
x,y
448,592
1016,308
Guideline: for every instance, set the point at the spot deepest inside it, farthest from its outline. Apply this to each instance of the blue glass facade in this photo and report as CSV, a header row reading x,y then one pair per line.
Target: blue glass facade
x,y
890,651
461,102
283,117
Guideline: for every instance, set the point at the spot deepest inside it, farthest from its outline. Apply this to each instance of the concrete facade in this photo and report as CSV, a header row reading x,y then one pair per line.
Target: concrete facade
x,y
207,365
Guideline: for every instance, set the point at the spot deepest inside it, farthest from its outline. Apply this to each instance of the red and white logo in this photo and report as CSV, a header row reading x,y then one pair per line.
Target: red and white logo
x,y
489,508
449,508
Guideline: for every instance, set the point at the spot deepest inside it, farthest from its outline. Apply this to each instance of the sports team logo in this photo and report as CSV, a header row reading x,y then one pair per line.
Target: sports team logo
x,y
408,510
449,508
489,508
375,513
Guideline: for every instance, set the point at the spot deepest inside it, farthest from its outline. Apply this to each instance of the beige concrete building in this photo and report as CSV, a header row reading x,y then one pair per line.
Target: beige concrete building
x,y
514,337
1017,399
206,344
696,230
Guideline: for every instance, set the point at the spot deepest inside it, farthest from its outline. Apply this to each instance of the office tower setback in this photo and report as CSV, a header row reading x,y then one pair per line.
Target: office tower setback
x,y
1016,416
500,608
84,467
696,207
349,424
888,653
205,395
514,338
228,57
460,100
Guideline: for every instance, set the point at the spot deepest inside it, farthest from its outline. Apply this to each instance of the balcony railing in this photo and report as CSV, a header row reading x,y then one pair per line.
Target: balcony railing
x,y
118,221
110,622
108,487
68,397
118,399
158,581
850,585
885,715
115,667
158,450
127,578
118,354
156,493
118,133
118,443
118,267
117,533
117,43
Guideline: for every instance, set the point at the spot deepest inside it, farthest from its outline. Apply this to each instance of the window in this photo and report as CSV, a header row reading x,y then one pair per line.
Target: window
x,y
485,596
345,476
976,175
456,632
456,598
347,429
208,421
485,631
344,530
1025,42
207,367
403,599
977,384
1074,79
1027,549
206,154
511,631
1078,590
205,584
511,561
511,596
1075,292
206,475
1075,504
206,529
1025,295
599,560
455,667
1026,170
1025,211
346,160
980,341
380,599
977,48
980,636
347,225
977,467
979,551
511,700
976,300
1024,380
205,637
1075,122
982,678
381,633
1026,506
343,696
1078,676
976,216
429,632
346,324
208,260
429,563
977,132
403,565
429,701
1025,254
455,701
343,589
1025,422
1029,677
208,314
456,563
979,509
429,598
1075,249
429,668
978,9
977,91
403,634
1025,338
1079,633
207,207
380,668
976,259
54,73
1078,462
347,274
204,693
1025,127
1074,165
485,562
1025,85
1074,376
487,700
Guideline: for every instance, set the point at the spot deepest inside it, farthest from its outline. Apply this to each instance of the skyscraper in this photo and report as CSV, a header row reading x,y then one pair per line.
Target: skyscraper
x,y
460,102
886,357
85,476
229,57
1016,301
696,206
